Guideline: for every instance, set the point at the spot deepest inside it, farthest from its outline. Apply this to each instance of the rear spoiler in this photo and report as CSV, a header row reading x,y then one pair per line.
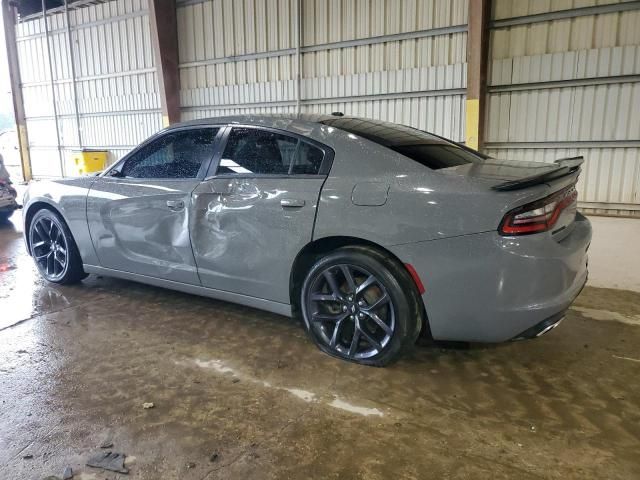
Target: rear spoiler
x,y
565,166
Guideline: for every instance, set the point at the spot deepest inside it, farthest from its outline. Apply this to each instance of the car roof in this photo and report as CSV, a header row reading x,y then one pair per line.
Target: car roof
x,y
383,133
270,120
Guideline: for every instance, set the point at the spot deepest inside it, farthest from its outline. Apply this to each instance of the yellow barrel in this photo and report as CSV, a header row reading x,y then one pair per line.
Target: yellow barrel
x,y
87,161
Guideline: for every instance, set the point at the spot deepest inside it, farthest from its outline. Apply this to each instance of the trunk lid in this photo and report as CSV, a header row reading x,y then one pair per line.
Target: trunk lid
x,y
521,184
505,175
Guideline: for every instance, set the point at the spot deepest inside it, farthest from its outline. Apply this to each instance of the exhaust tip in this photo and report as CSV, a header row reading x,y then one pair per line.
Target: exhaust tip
x,y
541,328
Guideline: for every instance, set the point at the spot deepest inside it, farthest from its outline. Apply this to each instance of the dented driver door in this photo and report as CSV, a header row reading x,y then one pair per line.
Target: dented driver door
x,y
138,213
143,227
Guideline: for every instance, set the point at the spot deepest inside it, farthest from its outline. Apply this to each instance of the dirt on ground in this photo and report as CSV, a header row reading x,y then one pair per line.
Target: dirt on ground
x,y
239,393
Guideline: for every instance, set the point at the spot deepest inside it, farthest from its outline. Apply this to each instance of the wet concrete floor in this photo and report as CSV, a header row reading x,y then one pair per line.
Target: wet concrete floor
x,y
248,388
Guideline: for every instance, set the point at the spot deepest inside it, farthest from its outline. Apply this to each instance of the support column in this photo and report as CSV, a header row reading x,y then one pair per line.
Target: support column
x,y
477,61
9,20
164,38
298,55
54,99
74,82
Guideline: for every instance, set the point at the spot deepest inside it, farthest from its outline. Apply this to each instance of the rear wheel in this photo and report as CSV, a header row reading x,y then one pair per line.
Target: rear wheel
x,y
53,249
360,305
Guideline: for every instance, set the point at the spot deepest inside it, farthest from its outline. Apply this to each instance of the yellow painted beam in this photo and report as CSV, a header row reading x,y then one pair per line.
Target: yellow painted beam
x,y
25,157
472,123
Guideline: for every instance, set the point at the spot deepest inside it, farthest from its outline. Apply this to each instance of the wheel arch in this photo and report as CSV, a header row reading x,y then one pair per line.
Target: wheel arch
x,y
311,251
30,212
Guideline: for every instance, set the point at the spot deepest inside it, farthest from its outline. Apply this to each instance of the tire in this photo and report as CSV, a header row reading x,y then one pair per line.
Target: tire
x,y
53,249
371,318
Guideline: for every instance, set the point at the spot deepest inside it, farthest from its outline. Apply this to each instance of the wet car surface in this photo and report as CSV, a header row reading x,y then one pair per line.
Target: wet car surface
x,y
78,362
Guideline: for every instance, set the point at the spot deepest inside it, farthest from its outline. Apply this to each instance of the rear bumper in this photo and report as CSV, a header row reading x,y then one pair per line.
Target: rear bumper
x,y
490,288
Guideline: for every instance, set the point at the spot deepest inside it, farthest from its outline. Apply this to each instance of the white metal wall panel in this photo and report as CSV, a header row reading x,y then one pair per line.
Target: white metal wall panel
x,y
572,83
224,111
441,114
591,113
217,77
566,35
424,79
326,21
116,82
612,174
518,8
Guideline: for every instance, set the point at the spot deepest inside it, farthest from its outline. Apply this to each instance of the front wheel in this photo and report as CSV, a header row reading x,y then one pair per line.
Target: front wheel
x,y
360,305
54,249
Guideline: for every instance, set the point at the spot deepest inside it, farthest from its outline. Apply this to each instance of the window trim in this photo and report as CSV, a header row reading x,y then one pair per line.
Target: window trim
x,y
323,172
157,136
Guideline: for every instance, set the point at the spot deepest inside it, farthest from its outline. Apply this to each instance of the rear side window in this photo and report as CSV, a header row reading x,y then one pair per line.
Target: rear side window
x,y
308,160
429,150
437,156
250,150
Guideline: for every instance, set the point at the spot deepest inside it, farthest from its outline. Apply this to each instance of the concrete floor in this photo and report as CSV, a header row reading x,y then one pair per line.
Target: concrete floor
x,y
77,363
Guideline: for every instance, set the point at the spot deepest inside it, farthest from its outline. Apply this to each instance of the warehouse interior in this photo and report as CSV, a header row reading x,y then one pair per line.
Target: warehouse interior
x,y
239,393
554,79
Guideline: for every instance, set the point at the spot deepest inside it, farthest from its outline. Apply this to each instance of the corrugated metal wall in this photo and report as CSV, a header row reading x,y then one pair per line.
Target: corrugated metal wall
x,y
116,83
569,86
397,60
564,75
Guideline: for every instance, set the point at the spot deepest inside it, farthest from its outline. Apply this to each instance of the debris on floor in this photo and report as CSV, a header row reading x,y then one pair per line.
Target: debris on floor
x,y
108,461
106,444
214,456
28,456
190,465
67,474
148,405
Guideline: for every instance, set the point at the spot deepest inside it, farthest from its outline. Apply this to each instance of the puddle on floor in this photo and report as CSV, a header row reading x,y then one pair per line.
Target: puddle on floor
x,y
607,316
302,394
348,407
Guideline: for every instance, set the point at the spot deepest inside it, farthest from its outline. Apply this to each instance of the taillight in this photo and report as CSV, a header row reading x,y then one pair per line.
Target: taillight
x,y
538,216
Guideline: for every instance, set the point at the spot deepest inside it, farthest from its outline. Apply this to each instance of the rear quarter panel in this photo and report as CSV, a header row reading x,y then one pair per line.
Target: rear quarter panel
x,y
69,198
421,204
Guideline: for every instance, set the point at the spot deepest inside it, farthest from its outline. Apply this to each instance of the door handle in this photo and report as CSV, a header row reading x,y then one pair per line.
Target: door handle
x,y
175,205
292,203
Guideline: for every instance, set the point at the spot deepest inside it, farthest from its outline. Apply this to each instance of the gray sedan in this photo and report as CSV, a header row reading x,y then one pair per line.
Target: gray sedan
x,y
370,232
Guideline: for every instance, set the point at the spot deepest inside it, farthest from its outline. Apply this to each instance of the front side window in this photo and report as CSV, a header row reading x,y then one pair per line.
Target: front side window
x,y
177,154
255,151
